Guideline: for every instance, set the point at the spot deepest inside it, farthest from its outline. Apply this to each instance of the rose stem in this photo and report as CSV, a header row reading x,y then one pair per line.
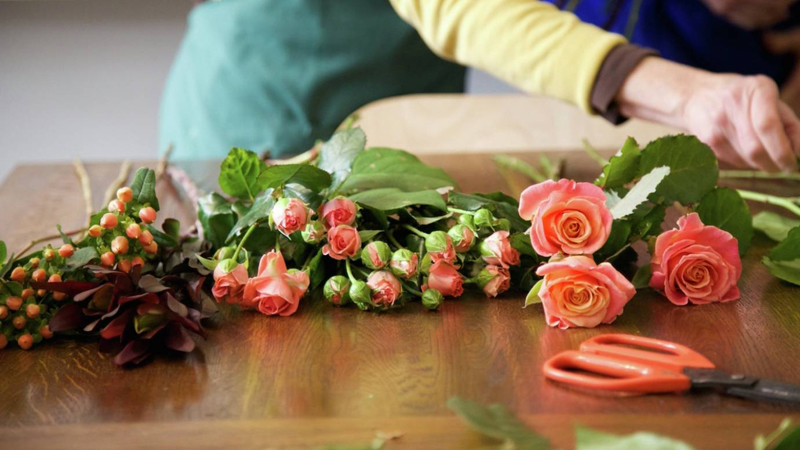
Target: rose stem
x,y
590,150
757,174
415,231
349,270
390,235
410,289
770,200
244,239
461,211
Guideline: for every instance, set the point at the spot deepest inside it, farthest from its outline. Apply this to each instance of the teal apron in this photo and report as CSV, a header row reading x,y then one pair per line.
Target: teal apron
x,y
276,75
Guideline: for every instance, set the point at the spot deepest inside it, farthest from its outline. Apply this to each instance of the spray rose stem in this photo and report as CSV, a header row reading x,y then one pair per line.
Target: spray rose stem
x,y
460,211
416,231
244,239
770,200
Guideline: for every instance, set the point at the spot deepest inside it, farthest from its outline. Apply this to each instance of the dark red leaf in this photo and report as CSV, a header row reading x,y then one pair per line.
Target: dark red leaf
x,y
150,283
116,327
86,294
178,339
134,352
91,326
69,317
71,288
176,306
147,297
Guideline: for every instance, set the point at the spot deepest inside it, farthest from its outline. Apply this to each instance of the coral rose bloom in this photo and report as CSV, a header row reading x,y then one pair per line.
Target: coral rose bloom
x,y
576,292
275,290
339,211
499,283
343,242
385,287
444,277
566,217
696,263
290,215
497,250
229,285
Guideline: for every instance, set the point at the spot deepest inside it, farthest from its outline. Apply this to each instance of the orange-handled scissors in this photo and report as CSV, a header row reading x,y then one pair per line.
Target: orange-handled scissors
x,y
640,365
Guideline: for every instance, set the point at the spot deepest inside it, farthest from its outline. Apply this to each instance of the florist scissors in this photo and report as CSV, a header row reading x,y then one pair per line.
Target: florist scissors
x,y
654,366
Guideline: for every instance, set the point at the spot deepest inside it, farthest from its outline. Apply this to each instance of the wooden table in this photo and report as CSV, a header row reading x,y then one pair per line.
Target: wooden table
x,y
338,375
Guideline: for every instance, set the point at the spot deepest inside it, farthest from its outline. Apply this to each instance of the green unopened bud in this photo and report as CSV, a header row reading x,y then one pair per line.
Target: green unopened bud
x,y
314,232
376,255
227,265
502,224
463,237
425,264
225,253
484,277
432,299
361,295
404,263
466,219
337,290
483,219
437,242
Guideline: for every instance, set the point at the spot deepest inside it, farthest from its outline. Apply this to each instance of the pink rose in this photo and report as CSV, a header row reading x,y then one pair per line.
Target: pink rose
x,y
444,277
229,285
463,237
576,292
497,250
566,216
385,287
494,280
339,211
440,246
696,263
343,242
289,215
404,263
275,290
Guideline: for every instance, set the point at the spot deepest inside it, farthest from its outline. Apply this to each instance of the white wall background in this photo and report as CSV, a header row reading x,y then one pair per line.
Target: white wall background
x,y
83,78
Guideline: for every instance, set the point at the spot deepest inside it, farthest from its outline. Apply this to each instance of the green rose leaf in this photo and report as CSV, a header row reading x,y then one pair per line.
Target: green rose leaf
x,y
386,199
163,240
783,438
647,221
261,208
311,177
617,239
172,227
775,226
368,235
622,168
337,154
588,439
3,252
788,271
693,167
217,218
724,208
641,279
316,271
533,295
522,243
144,187
81,257
646,186
497,422
789,248
389,168
239,174
501,205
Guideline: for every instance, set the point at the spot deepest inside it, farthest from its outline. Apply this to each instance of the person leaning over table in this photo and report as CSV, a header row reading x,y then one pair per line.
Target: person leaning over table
x,y
278,75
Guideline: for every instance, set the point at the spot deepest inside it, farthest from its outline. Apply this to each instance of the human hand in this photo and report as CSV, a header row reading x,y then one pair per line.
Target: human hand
x,y
781,43
751,14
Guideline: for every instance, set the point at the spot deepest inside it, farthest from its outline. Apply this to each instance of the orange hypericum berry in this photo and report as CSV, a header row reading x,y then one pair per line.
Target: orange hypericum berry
x,y
18,274
54,278
137,261
133,231
124,265
19,322
27,293
108,221
66,251
14,302
125,194
32,310
107,259
3,312
25,341
116,206
147,214
45,332
151,249
146,238
41,293
49,254
119,245
58,296
34,262
95,231
3,341
38,275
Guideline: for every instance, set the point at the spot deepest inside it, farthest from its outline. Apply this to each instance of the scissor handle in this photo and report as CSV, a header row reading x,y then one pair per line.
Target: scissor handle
x,y
619,375
666,355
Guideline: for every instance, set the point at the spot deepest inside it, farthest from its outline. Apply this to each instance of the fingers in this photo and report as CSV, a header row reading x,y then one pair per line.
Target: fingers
x,y
769,128
782,42
792,126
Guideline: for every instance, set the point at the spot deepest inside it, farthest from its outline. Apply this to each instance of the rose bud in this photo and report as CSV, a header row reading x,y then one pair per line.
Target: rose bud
x,y
337,290
13,302
289,215
34,262
483,219
151,249
343,242
25,341
466,220
49,254
314,232
133,231
119,245
361,295
404,263
66,251
376,255
124,265
107,259
95,231
45,332
229,281
462,236
3,312
108,221
275,290
339,211
137,261
125,194
386,288
494,280
27,293
432,299
18,274
147,214
496,249
38,275
503,224
32,310
566,217
444,277
440,247
145,238
19,322
576,292
116,206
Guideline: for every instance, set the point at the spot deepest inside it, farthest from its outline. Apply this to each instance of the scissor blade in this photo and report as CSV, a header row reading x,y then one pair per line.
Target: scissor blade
x,y
768,390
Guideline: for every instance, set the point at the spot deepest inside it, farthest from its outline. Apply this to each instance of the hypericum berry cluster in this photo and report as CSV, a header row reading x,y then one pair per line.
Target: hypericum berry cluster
x,y
122,239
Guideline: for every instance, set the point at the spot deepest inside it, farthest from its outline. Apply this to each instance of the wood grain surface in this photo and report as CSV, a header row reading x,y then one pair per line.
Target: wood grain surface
x,y
336,375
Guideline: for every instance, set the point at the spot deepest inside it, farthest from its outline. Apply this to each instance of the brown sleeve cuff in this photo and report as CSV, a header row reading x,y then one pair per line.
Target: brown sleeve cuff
x,y
618,64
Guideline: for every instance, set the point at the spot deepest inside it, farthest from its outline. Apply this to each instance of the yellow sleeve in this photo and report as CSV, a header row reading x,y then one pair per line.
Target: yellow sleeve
x,y
527,43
